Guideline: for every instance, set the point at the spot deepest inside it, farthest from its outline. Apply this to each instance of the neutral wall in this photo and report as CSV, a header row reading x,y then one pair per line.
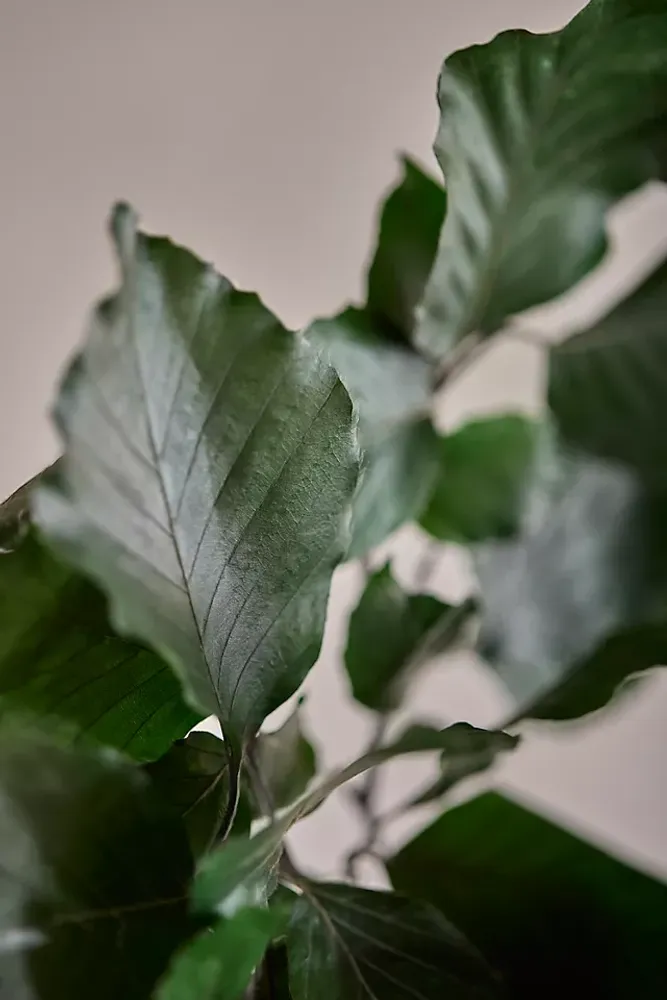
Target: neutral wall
x,y
260,133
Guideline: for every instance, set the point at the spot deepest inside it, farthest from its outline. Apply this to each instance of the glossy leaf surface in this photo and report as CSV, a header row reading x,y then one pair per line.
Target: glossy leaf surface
x,y
539,135
210,460
553,914
61,661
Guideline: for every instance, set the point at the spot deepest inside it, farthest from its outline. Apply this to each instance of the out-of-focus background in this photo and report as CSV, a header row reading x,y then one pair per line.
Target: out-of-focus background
x,y
261,133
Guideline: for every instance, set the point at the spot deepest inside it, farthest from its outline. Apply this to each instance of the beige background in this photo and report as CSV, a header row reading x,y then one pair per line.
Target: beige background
x,y
261,133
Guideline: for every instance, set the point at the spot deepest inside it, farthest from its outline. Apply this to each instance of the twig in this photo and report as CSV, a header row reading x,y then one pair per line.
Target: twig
x,y
364,796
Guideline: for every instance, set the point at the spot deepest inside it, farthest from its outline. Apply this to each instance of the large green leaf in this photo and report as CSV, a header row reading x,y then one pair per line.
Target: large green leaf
x,y
481,478
93,875
539,135
576,604
398,477
555,916
389,633
346,943
193,777
219,964
210,460
410,224
607,384
61,661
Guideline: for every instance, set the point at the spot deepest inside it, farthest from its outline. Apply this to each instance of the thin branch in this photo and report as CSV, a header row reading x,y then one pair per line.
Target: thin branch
x,y
364,798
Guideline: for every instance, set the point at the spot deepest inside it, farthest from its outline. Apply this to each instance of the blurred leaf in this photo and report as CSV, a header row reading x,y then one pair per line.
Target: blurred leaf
x,y
388,632
240,873
554,915
588,567
540,135
345,942
210,461
388,382
397,480
286,760
60,660
482,471
410,224
218,965
607,384
93,875
193,777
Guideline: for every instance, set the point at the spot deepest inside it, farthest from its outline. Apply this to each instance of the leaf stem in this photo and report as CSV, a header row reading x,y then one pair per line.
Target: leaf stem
x,y
364,798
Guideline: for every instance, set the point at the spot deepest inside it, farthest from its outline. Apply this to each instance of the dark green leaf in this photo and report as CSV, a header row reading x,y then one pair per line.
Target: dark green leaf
x,y
219,964
60,660
210,460
410,225
346,943
387,381
588,568
193,777
539,136
481,478
388,633
607,384
93,876
556,916
286,760
241,872
397,480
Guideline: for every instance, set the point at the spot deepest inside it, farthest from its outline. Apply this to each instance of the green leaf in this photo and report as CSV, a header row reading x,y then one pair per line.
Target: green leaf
x,y
93,875
607,383
587,569
210,460
410,224
219,964
388,634
554,915
61,662
539,136
481,478
398,477
286,760
346,943
193,777
388,382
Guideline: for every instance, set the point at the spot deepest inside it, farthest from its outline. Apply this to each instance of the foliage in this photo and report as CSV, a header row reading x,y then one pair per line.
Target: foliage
x,y
175,563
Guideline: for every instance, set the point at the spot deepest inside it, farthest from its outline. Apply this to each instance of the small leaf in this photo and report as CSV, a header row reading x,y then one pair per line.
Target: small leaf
x,y
218,965
553,914
241,872
388,382
286,760
60,661
607,384
398,476
210,461
388,631
93,875
482,473
193,777
410,225
539,136
345,942
586,569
